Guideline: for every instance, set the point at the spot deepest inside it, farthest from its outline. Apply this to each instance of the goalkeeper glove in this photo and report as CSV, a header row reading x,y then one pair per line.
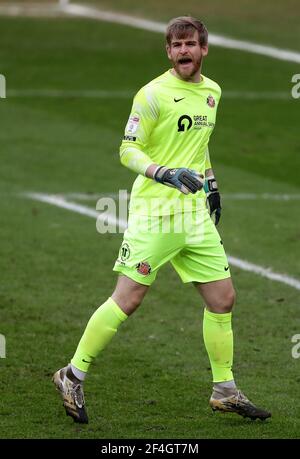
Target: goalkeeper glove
x,y
213,198
185,180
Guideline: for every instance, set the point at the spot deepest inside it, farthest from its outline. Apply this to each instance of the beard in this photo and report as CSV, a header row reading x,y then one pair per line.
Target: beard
x,y
188,70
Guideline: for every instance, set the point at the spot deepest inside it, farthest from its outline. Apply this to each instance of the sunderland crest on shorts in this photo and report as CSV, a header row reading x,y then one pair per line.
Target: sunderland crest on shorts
x,y
143,268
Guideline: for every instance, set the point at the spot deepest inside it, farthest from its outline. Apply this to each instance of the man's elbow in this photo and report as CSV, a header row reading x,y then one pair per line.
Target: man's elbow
x,y
122,155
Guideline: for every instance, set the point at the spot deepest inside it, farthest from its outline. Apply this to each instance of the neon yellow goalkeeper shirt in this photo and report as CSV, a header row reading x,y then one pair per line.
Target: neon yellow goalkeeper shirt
x,y
170,124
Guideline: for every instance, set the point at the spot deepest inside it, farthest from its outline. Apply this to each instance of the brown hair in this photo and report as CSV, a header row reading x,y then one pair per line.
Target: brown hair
x,y
184,26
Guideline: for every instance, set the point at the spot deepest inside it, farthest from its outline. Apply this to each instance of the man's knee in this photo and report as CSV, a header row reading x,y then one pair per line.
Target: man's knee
x,y
132,300
129,294
222,303
227,301
127,302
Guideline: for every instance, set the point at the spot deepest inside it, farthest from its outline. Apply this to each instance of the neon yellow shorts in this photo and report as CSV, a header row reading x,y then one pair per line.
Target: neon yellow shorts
x,y
190,241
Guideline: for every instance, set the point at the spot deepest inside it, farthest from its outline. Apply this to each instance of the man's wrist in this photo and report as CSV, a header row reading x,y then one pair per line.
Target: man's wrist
x,y
152,170
159,173
210,185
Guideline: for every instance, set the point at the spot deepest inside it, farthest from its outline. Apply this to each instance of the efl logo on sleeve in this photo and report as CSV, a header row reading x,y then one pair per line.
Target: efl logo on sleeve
x,y
133,124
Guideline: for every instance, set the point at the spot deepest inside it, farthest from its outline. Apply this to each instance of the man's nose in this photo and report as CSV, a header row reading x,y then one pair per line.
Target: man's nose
x,y
183,49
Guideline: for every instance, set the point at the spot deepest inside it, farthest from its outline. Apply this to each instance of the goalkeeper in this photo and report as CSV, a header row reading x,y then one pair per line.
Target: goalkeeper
x,y
173,201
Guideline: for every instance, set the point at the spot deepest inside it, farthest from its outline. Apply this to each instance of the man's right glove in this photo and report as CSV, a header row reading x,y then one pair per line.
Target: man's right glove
x,y
185,180
213,198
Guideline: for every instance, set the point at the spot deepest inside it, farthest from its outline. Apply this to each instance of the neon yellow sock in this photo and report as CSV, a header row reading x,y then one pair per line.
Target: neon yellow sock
x,y
218,340
99,331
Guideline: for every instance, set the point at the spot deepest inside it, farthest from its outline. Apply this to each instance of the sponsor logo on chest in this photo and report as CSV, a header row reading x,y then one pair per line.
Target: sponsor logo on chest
x,y
187,121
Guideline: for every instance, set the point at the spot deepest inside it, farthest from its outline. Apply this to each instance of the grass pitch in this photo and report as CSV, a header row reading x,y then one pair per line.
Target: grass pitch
x,y
153,381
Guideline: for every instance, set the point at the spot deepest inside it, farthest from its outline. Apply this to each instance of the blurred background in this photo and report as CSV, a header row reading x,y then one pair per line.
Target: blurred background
x,y
70,78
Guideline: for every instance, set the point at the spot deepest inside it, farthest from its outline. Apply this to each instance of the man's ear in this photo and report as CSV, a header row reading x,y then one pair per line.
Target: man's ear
x,y
168,49
204,50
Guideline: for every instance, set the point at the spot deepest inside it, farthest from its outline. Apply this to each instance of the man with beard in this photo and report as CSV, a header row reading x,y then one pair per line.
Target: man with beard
x,y
166,144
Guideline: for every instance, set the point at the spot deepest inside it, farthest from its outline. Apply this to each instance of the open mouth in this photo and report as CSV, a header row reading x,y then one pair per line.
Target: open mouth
x,y
185,60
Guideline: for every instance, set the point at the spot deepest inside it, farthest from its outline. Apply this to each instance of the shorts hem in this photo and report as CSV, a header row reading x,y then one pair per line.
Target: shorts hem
x,y
205,281
128,273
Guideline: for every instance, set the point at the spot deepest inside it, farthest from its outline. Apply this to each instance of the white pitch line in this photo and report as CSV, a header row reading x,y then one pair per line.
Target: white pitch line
x,y
59,201
257,95
91,196
227,196
155,26
264,272
128,94
32,10
78,93
262,196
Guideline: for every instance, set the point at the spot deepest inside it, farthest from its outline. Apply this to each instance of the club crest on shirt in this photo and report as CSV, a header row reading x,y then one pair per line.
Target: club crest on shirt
x,y
143,268
210,101
132,124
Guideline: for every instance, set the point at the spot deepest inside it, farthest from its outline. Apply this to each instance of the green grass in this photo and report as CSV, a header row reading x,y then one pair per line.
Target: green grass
x,y
153,381
268,22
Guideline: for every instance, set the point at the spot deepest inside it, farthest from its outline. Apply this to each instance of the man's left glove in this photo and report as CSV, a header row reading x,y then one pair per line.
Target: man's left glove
x,y
184,179
213,198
